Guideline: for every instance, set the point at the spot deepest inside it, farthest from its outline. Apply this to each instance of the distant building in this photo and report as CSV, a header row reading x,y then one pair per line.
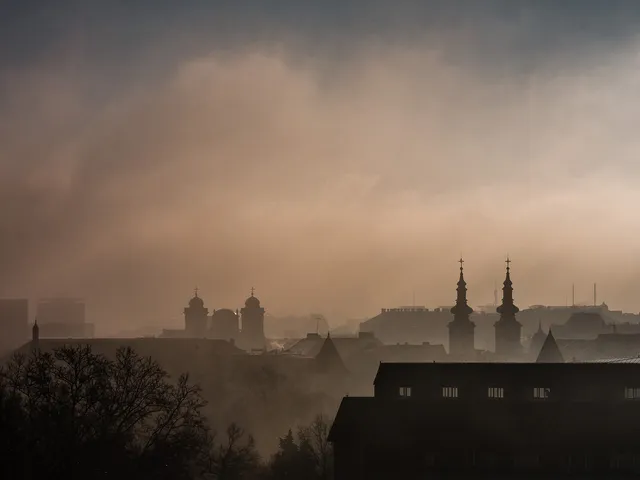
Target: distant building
x,y
537,340
61,311
244,328
582,325
225,324
63,318
492,420
14,323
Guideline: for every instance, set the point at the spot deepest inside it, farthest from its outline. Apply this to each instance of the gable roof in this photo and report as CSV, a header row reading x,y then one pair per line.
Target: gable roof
x,y
550,353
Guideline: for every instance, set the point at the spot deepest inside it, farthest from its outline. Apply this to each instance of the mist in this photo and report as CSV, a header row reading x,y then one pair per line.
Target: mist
x,y
339,181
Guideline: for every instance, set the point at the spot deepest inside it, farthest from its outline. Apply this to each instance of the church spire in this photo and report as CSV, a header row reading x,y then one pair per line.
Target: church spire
x,y
508,308
461,308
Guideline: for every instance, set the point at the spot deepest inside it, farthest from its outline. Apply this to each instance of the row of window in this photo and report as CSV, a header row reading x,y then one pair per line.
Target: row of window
x,y
498,392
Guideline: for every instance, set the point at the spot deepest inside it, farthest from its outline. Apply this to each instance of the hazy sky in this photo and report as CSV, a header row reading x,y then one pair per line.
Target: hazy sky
x,y
338,157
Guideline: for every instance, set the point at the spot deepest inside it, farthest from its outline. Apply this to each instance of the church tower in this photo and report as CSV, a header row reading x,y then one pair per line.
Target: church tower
x,y
508,329
253,324
461,328
196,317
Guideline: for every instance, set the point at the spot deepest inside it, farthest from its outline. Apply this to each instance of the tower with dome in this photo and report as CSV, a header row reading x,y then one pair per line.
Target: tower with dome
x,y
252,318
196,317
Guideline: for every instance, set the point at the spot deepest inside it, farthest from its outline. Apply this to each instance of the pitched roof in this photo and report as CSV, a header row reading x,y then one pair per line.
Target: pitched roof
x,y
550,353
328,359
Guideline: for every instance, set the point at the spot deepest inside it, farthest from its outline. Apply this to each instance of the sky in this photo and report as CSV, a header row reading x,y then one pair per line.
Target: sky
x,y
338,157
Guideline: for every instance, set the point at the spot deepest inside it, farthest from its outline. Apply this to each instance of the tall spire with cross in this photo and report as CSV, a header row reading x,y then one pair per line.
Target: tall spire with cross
x,y
461,328
507,329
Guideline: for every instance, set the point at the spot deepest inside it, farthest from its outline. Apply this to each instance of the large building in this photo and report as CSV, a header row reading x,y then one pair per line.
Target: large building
x,y
14,323
492,420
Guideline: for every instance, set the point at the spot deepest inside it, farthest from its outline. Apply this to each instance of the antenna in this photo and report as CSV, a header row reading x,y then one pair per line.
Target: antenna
x,y
317,325
495,293
573,294
594,295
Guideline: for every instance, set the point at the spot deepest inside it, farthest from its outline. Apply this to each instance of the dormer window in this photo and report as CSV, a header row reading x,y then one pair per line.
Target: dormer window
x,y
405,392
450,392
541,393
632,393
495,392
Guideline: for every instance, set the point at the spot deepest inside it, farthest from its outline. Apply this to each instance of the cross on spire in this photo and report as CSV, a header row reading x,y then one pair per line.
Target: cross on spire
x,y
252,290
461,262
508,262
196,290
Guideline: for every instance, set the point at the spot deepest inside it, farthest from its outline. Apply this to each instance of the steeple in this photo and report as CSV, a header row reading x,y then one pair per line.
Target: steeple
x,y
461,309
35,335
508,330
461,328
35,331
508,308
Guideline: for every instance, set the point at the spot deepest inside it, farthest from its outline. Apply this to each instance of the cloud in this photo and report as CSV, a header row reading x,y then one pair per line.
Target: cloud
x,y
330,185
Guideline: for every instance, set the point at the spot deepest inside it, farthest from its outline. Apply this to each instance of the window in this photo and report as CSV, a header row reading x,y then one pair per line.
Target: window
x,y
450,392
496,392
632,393
541,392
405,391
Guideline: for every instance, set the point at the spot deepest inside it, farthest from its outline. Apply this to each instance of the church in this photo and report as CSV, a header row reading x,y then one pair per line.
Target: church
x,y
508,331
244,327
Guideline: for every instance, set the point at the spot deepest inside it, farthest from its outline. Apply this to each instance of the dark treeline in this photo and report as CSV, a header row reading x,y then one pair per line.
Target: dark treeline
x,y
74,414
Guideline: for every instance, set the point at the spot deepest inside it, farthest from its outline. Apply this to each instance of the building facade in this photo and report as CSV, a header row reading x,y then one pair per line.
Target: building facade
x,y
492,420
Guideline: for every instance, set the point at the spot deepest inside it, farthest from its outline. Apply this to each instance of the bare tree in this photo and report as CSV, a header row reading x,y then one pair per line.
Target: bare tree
x,y
85,415
315,436
235,457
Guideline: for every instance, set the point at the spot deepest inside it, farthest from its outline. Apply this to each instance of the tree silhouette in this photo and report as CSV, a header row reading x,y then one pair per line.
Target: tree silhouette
x,y
310,458
314,437
74,414
235,457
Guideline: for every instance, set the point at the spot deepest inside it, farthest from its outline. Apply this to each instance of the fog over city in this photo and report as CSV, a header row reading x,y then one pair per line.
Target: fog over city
x,y
336,161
